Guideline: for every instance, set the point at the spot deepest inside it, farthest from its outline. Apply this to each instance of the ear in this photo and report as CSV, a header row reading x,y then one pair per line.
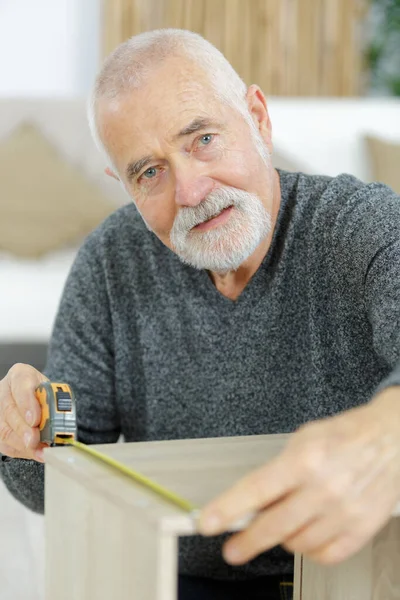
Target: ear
x,y
108,171
257,105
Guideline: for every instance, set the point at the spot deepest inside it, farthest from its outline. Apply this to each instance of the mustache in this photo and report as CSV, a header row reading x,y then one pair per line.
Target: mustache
x,y
216,201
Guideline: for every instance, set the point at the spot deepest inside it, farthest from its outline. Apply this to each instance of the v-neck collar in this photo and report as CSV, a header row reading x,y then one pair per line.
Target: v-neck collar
x,y
257,285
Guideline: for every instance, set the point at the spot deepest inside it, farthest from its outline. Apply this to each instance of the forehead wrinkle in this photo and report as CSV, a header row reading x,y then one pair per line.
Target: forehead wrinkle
x,y
192,100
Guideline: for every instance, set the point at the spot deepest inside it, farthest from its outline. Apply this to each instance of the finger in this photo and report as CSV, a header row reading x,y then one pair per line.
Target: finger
x,y
23,381
15,431
305,520
9,437
29,449
359,519
36,455
9,451
338,549
252,493
9,418
273,526
322,531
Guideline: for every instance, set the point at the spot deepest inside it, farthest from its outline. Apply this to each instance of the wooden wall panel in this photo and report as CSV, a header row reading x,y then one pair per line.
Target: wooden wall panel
x,y
288,47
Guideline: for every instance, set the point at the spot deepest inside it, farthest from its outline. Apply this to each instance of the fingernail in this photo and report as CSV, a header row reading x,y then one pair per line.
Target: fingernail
x,y
27,439
29,417
211,523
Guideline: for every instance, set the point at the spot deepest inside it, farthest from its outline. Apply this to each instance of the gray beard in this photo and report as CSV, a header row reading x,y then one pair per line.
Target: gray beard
x,y
227,246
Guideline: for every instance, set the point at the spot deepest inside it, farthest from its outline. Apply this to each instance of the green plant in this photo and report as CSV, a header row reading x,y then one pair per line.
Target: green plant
x,y
383,50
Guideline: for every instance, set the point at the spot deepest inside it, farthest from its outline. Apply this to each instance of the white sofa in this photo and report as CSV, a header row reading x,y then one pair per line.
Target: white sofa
x,y
313,135
326,135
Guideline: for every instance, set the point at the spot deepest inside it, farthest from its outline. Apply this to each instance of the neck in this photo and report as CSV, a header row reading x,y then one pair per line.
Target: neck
x,y
232,283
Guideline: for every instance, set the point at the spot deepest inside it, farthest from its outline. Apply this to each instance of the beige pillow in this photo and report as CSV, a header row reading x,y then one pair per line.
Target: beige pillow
x,y
385,161
45,202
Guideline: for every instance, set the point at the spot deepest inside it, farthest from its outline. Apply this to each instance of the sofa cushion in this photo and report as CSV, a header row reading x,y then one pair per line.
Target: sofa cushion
x,y
385,161
45,201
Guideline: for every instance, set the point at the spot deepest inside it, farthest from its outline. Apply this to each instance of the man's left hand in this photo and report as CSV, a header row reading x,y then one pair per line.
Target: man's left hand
x,y
332,488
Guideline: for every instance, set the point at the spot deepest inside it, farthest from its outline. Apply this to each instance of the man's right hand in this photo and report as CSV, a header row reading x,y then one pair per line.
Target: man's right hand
x,y
20,413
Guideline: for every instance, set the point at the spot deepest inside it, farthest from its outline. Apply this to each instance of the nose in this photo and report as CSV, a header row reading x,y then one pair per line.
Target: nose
x,y
191,190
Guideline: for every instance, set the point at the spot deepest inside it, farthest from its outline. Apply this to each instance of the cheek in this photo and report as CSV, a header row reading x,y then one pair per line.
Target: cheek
x,y
241,169
158,212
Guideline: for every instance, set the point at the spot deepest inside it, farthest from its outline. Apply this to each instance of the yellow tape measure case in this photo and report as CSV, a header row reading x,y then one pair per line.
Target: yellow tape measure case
x,y
58,406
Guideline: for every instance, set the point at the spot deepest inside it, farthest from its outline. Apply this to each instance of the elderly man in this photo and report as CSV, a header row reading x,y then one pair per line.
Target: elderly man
x,y
228,299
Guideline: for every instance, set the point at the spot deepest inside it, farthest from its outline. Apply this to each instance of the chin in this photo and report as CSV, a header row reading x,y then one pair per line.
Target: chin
x,y
219,257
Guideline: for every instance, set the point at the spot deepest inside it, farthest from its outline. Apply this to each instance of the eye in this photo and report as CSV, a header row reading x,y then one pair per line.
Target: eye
x,y
149,173
206,139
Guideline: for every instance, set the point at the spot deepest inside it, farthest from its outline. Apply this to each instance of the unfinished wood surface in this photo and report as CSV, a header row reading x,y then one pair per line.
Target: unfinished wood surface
x,y
288,47
350,580
107,535
371,574
198,470
297,579
97,550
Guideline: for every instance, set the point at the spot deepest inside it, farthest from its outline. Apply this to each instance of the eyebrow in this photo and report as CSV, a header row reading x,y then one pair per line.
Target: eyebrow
x,y
133,169
197,125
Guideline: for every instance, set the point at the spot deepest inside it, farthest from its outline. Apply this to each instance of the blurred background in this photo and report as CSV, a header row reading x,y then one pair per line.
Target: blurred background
x,y
330,70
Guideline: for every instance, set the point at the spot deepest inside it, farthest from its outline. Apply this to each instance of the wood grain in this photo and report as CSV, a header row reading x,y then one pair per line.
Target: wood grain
x,y
96,550
350,580
109,537
371,574
96,518
298,577
196,469
385,562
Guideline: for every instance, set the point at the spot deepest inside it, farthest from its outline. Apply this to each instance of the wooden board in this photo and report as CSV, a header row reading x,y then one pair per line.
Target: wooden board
x,y
371,574
97,550
107,535
196,469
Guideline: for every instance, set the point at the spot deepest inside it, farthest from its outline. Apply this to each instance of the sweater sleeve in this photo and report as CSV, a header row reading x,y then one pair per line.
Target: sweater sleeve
x,y
382,300
367,238
81,354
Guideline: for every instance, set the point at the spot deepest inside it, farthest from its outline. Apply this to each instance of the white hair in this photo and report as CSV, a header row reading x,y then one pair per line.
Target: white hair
x,y
131,63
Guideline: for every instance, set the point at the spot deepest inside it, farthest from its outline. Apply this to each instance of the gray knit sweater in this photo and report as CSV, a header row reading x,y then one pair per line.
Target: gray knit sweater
x,y
155,352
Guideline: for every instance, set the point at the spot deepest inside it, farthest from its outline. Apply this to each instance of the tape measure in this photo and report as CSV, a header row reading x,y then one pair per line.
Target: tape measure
x,y
58,427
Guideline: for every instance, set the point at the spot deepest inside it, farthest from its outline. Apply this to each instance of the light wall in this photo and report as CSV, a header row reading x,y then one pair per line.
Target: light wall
x,y
327,135
48,47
